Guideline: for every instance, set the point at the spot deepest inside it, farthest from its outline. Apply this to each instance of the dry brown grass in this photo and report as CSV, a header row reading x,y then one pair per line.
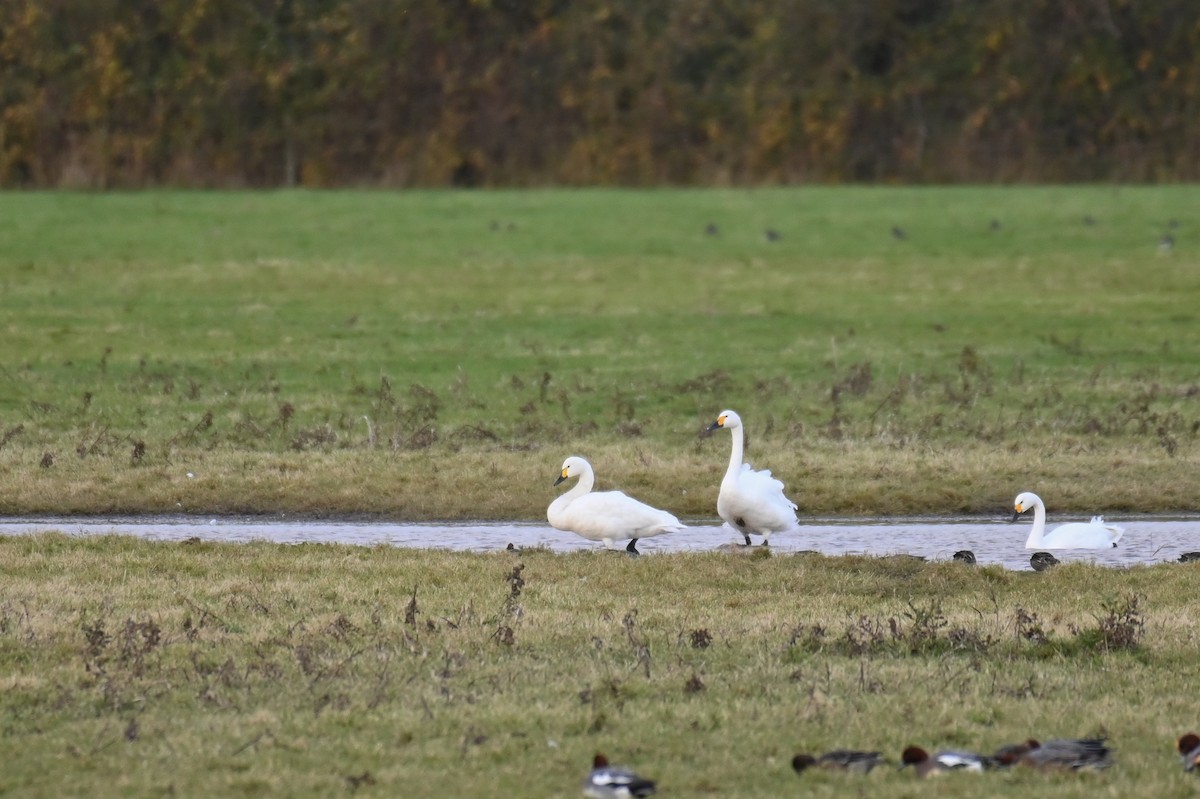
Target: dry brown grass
x,y
824,478
142,668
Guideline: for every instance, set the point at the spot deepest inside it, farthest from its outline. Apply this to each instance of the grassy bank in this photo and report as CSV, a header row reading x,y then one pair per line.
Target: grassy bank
x,y
144,669
436,355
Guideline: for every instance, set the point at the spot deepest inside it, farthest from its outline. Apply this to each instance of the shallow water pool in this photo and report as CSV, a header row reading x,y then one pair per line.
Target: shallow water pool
x,y
1146,540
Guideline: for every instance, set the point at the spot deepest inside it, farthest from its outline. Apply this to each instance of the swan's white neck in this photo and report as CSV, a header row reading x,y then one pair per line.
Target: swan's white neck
x,y
1039,526
735,457
581,487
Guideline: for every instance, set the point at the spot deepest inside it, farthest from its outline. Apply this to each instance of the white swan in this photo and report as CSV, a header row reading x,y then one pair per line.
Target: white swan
x,y
605,515
1076,535
752,502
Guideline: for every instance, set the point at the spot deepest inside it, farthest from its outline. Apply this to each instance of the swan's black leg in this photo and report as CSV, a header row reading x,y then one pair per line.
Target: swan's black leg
x,y
747,537
631,548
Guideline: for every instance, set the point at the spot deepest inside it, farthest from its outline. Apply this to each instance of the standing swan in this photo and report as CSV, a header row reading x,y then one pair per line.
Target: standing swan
x,y
751,502
1076,535
605,515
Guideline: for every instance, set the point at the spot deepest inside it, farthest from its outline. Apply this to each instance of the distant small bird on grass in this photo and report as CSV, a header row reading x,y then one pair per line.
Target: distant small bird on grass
x,y
995,225
1089,220
770,234
614,782
898,233
850,760
1040,561
711,229
1166,243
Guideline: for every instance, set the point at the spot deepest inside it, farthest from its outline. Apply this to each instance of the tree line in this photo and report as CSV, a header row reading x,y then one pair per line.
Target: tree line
x,y
217,93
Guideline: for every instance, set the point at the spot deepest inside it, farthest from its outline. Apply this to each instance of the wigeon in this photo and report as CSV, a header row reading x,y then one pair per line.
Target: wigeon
x,y
1008,755
942,762
839,760
614,782
1189,750
1040,561
1064,754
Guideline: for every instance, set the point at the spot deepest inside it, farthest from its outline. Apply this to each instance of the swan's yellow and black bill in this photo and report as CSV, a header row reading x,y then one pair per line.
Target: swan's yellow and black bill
x,y
1018,509
717,425
561,477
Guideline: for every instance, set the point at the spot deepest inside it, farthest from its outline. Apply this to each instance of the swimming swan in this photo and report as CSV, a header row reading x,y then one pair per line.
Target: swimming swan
x,y
751,502
1076,535
605,515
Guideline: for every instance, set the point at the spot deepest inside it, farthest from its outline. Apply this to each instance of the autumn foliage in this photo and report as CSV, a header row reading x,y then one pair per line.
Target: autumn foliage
x,y
115,93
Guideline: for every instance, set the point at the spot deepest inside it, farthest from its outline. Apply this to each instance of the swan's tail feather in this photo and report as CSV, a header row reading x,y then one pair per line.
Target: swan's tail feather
x,y
1116,530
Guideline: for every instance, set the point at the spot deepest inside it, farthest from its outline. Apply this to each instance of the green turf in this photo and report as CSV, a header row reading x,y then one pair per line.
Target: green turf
x,y
148,331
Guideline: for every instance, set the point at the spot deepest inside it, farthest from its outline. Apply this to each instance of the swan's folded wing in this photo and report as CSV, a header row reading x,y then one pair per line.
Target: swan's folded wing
x,y
615,514
761,480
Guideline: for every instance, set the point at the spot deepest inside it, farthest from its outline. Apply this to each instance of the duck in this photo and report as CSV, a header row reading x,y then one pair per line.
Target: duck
x,y
1040,561
851,760
1189,749
614,782
606,516
1062,754
965,556
943,762
751,502
1009,754
1076,535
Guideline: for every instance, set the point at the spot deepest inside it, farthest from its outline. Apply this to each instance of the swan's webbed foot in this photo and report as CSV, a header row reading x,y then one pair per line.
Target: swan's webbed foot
x,y
631,547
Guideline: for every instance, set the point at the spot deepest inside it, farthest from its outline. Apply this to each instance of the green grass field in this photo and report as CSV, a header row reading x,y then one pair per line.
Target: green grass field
x,y
436,355
132,669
